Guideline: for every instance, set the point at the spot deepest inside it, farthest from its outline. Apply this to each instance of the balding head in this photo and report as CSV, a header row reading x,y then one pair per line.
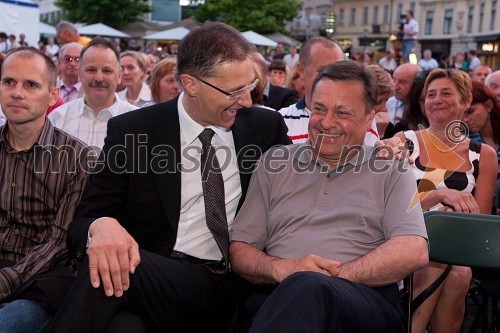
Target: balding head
x,y
403,77
315,54
480,73
493,82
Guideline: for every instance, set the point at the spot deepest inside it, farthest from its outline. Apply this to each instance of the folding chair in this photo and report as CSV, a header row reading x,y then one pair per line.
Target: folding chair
x,y
463,239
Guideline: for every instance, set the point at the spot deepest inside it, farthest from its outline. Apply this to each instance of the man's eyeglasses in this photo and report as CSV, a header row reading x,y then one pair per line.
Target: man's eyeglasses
x,y
234,94
67,60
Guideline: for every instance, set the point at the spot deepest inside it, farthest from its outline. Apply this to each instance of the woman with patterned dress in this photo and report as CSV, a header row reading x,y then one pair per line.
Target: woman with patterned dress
x,y
455,174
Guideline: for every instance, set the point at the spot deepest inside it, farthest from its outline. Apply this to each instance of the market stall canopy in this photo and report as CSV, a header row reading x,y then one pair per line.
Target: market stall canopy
x,y
280,38
46,29
258,39
20,17
171,34
100,29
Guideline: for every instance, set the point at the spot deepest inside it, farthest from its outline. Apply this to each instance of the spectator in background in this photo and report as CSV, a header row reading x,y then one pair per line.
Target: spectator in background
x,y
3,42
410,34
414,116
275,97
133,69
87,117
444,63
295,82
22,40
473,60
67,33
292,58
404,77
368,58
493,82
150,61
388,62
52,48
280,51
164,85
11,42
480,73
385,90
459,62
277,72
71,87
483,118
43,48
428,62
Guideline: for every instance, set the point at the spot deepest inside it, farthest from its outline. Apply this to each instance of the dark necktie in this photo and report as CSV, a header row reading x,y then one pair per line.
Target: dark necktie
x,y
213,194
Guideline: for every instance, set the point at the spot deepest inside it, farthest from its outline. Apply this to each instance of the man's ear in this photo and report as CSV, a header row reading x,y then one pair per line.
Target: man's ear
x,y
189,84
54,95
300,70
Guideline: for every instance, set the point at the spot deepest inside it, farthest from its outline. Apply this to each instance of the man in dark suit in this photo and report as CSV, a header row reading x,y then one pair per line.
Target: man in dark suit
x,y
144,218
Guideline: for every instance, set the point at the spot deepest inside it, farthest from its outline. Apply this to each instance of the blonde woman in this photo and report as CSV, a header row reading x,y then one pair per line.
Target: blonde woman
x,y
136,91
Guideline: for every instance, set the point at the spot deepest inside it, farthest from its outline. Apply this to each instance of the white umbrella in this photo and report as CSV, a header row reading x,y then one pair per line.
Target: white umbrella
x,y
46,29
170,34
100,29
258,39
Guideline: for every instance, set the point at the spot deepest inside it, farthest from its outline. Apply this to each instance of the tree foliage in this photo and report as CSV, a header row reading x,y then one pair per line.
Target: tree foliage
x,y
261,16
115,13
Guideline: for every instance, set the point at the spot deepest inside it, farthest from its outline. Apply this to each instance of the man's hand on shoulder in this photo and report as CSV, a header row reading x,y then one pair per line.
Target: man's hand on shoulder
x,y
113,255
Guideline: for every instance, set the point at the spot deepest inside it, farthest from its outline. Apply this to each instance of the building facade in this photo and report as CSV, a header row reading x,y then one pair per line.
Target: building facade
x,y
446,26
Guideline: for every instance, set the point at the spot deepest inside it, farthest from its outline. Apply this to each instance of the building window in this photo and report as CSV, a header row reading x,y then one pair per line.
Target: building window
x,y
470,19
341,16
412,6
399,11
352,20
429,19
493,14
364,21
375,15
481,17
386,14
448,21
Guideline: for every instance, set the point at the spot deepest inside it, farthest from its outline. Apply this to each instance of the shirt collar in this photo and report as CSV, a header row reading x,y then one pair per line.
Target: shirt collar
x,y
306,156
191,129
45,140
114,109
77,86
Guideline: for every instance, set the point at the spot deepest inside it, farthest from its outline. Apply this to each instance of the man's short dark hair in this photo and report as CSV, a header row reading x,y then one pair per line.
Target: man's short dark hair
x,y
348,70
102,43
212,44
30,52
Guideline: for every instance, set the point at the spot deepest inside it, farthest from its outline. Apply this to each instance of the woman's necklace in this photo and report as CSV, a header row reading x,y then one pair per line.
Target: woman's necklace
x,y
438,148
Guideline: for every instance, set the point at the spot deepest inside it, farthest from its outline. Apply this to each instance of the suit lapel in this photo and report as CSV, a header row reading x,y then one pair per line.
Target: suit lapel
x,y
166,147
248,148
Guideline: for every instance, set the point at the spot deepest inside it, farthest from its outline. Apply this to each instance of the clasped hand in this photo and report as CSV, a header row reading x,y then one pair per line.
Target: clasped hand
x,y
113,256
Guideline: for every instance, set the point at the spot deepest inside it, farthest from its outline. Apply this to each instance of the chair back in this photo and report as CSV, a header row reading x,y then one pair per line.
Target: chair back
x,y
464,239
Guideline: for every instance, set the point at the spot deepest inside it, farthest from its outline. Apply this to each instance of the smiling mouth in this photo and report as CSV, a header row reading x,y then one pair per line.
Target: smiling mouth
x,y
330,135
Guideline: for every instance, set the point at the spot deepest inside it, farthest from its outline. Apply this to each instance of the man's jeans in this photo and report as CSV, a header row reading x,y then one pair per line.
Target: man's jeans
x,y
23,316
408,45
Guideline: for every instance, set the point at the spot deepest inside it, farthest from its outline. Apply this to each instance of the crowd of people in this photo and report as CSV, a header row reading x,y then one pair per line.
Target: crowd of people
x,y
219,189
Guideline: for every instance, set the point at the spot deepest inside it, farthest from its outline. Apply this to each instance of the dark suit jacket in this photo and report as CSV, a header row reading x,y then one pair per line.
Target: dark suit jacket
x,y
280,97
137,179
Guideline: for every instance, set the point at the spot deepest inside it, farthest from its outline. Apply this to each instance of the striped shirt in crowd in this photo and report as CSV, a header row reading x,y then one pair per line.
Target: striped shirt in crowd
x,y
39,191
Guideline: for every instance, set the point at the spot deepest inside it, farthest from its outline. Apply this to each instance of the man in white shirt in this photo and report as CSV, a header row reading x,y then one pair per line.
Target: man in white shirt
x,y
410,34
291,58
87,117
68,71
473,60
388,63
315,53
428,62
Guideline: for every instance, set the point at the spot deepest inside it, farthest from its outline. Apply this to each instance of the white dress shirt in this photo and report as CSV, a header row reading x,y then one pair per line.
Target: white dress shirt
x,y
77,119
145,97
193,236
3,120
